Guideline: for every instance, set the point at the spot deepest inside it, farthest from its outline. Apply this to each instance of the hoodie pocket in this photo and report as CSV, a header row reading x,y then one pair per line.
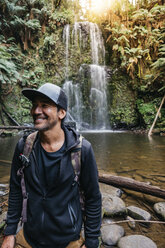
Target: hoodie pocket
x,y
72,215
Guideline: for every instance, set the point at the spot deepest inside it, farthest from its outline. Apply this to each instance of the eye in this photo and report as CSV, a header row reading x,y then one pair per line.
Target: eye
x,y
44,105
34,106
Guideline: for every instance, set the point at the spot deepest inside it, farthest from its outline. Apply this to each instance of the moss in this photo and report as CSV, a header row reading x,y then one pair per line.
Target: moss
x,y
148,110
121,102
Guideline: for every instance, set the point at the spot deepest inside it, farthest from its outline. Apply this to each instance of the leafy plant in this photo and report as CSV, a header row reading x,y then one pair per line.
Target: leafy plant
x,y
8,69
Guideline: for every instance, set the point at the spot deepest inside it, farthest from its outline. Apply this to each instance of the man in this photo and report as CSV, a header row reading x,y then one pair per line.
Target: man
x,y
54,215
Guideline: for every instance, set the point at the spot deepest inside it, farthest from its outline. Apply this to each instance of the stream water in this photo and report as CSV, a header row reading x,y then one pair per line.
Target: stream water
x,y
122,153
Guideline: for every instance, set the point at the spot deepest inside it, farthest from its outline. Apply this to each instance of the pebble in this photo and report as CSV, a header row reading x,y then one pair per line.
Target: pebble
x,y
136,241
110,234
159,208
131,222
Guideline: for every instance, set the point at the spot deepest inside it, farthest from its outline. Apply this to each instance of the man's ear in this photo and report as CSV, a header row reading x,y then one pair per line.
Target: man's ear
x,y
61,114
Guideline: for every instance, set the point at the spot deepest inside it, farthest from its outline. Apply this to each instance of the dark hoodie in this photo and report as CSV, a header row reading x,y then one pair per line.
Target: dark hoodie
x,y
55,218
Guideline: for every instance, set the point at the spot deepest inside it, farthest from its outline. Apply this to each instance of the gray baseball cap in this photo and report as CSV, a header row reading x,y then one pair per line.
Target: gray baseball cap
x,y
52,91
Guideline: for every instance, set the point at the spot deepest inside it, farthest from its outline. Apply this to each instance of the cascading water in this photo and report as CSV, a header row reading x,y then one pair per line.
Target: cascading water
x,y
88,109
75,103
97,44
66,38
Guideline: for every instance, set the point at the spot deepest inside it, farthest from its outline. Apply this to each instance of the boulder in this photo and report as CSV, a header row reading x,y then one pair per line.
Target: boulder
x,y
138,213
113,206
110,234
110,190
136,241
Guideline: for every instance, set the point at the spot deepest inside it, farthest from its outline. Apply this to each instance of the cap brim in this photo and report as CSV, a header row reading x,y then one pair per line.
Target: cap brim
x,y
32,94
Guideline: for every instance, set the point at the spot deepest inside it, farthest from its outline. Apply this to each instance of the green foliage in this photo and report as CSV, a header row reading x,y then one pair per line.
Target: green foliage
x,y
33,24
8,69
62,16
139,46
147,110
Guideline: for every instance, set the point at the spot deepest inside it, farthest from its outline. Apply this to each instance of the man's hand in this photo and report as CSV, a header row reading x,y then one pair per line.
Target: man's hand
x,y
83,246
8,242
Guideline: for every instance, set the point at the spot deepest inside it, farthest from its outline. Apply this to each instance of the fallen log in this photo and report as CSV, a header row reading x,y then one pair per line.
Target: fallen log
x,y
132,184
16,127
5,161
67,123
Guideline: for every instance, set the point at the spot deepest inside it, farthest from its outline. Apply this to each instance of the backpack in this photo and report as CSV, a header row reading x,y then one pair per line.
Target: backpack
x,y
24,158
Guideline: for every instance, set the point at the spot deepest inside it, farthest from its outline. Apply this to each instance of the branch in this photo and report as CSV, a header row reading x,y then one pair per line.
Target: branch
x,y
125,221
156,117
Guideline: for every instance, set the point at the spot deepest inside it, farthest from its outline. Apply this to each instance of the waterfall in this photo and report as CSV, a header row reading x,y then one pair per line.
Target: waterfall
x,y
97,43
98,95
88,109
66,40
75,101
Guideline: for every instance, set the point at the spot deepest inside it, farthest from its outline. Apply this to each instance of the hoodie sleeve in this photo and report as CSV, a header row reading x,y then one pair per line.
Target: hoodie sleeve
x,y
90,186
15,194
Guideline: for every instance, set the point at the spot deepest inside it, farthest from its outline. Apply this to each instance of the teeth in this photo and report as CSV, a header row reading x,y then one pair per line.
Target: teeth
x,y
39,119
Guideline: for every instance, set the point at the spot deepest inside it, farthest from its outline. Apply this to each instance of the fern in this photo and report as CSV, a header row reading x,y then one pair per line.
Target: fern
x,y
140,14
33,24
159,9
159,64
8,71
14,9
17,22
162,50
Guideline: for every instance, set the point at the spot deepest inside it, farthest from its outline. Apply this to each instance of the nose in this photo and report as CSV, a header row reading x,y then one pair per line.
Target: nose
x,y
36,110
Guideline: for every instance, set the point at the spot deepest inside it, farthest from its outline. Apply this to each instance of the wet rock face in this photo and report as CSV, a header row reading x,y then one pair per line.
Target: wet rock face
x,y
136,241
138,213
110,234
160,209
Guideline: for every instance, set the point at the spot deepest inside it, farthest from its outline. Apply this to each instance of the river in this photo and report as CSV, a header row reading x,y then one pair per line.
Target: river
x,y
121,153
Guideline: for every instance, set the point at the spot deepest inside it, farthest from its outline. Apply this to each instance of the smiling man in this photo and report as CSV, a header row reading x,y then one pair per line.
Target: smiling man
x,y
48,193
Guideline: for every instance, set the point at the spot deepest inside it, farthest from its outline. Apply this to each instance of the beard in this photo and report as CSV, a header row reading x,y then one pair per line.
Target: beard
x,y
45,126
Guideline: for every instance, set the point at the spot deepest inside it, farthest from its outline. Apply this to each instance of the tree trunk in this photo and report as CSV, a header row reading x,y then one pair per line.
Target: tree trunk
x,y
132,184
53,6
25,42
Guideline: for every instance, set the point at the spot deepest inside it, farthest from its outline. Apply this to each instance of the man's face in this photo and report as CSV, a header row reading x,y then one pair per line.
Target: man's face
x,y
44,113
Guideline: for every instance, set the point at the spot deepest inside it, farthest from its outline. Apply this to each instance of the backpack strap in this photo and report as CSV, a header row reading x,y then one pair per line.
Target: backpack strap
x,y
76,160
76,163
29,144
24,158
